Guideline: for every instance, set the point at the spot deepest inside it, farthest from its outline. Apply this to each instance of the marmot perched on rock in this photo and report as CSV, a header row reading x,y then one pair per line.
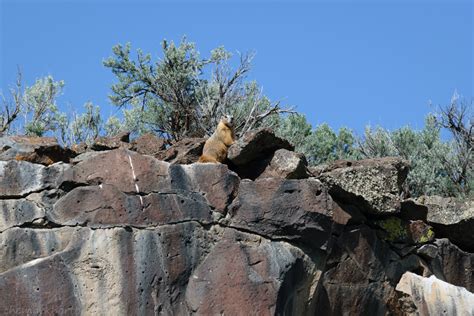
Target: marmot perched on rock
x,y
215,148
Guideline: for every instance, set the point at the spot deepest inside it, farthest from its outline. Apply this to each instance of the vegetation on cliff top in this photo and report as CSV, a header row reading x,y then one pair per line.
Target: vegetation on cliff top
x,y
184,95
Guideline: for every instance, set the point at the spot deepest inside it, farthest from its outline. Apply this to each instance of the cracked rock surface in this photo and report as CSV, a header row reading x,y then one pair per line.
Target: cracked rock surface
x,y
120,232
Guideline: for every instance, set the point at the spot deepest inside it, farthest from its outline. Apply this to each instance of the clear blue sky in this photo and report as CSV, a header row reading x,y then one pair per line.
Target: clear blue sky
x,y
347,63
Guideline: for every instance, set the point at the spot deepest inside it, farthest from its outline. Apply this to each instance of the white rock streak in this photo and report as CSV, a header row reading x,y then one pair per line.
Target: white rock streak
x,y
135,179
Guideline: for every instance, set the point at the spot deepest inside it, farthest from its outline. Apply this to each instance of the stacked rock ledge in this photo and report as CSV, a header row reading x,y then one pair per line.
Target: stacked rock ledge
x,y
138,227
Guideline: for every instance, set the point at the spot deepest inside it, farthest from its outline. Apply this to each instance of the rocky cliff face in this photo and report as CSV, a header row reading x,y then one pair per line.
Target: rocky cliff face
x,y
124,228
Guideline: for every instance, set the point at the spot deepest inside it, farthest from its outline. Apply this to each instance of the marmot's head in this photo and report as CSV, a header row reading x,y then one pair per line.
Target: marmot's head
x,y
228,120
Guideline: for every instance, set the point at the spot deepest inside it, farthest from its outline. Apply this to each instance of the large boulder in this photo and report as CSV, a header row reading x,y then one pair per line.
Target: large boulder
x,y
299,210
432,296
255,145
40,150
451,218
148,144
373,185
251,154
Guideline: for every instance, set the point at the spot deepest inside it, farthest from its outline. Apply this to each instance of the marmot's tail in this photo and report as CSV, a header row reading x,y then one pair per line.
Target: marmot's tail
x,y
206,158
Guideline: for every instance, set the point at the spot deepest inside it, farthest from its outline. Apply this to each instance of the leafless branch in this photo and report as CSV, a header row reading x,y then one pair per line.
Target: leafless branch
x,y
11,108
458,119
256,118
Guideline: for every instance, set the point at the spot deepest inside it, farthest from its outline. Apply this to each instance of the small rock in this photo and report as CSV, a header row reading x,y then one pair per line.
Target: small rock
x,y
148,144
420,232
399,230
80,148
185,151
39,222
287,165
120,140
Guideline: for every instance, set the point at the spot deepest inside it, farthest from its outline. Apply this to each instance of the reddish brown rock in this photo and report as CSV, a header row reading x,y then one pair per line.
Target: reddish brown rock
x,y
137,174
185,151
104,205
251,154
79,149
40,150
148,144
218,185
363,270
103,271
245,281
344,215
128,171
284,209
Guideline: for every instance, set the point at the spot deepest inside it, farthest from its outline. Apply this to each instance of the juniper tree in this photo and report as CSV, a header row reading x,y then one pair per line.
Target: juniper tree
x,y
173,97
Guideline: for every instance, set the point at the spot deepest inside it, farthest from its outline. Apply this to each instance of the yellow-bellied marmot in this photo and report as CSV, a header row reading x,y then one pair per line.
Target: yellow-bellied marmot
x,y
215,148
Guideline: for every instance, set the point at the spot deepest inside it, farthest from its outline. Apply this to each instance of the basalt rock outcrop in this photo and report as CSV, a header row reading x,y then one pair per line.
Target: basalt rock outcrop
x,y
118,230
